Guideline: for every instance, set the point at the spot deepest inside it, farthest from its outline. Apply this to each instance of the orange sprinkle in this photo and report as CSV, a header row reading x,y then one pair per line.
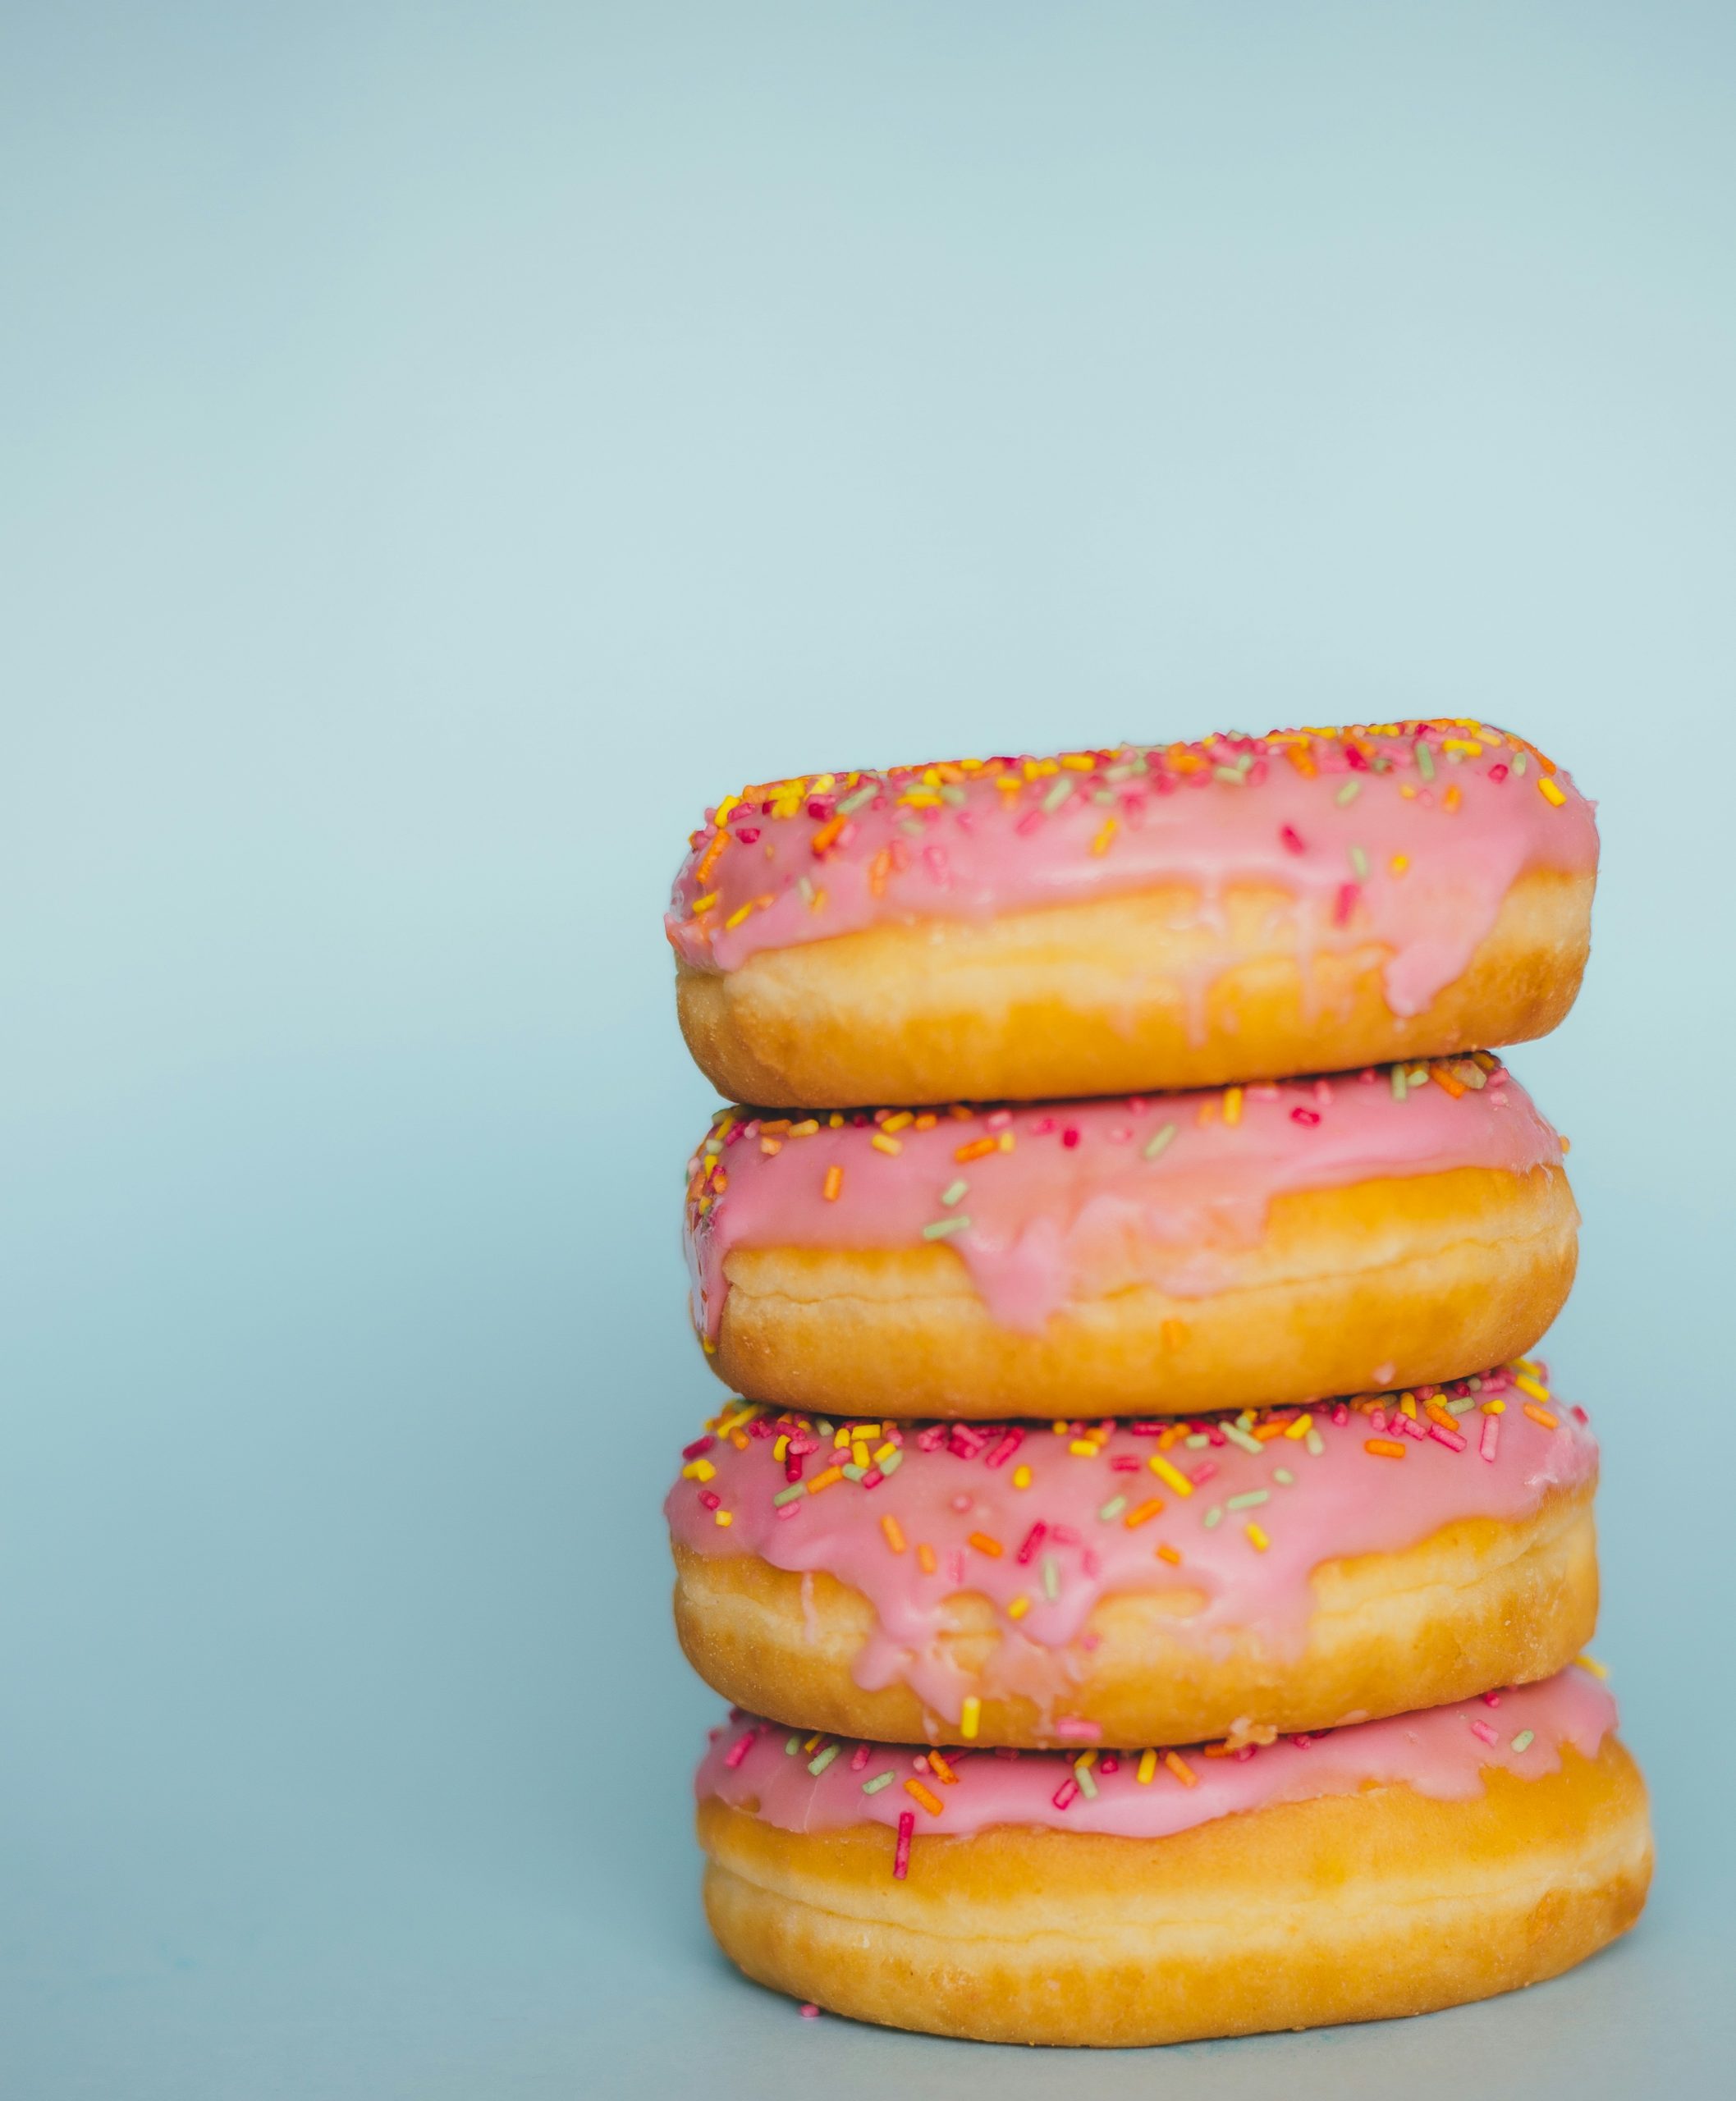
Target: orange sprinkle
x,y
833,1184
938,1766
879,868
1542,1415
984,1545
1180,1768
1142,1512
1436,1413
925,1559
978,1149
1100,844
1169,1554
894,1532
1452,798
1264,1432
1384,1447
1451,1081
929,1802
825,1479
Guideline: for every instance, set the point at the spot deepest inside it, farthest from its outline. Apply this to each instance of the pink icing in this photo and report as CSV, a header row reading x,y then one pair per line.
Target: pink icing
x,y
1410,835
1442,1752
1064,1541
1075,1208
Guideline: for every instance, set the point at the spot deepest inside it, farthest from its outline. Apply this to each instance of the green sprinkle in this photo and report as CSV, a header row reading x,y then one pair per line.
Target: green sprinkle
x,y
1120,771
1051,1578
1459,1407
1158,1140
1400,1085
879,1781
1214,1516
954,796
1102,795
1237,1435
892,1462
951,1194
794,1744
1348,792
804,888
1231,773
1249,1500
1525,1739
1284,1477
854,801
1113,1509
825,1428
1088,1785
788,1494
1425,758
913,828
1058,795
938,1228
1316,1443
852,1472
1519,763
1359,864
1198,1441
818,1765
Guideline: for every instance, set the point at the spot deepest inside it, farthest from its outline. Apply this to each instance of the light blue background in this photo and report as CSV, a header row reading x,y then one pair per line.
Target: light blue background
x,y
446,445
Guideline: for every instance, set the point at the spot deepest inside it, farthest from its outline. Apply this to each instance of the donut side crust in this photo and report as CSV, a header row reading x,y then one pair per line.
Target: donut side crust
x,y
1482,1602
1355,1907
1111,995
1396,1281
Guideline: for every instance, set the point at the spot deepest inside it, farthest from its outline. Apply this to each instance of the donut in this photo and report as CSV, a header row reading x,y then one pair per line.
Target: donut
x,y
1133,1583
1391,1868
1121,920
1250,1245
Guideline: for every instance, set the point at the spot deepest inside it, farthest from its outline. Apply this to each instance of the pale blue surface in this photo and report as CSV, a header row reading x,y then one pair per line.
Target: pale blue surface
x,y
446,445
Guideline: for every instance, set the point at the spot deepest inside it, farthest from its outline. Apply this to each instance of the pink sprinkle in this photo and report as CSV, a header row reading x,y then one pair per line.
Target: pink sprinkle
x,y
1292,839
1305,1115
901,1858
701,1445
788,1509
1070,1136
1484,1732
1490,1440
933,1437
1004,1451
1074,1728
1497,772
860,1756
739,1750
1088,1561
1042,1127
810,2011
1065,1536
1124,1462
1066,1794
872,1478
710,1498
1203,1472
1376,1419
1450,1437
1491,1700
934,859
1340,1415
1345,903
997,1120
1111,1764
1033,1541
1028,823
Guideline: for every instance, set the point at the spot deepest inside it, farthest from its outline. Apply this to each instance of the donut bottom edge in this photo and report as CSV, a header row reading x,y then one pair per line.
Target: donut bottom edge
x,y
1484,1601
1395,1280
1124,994
1300,1915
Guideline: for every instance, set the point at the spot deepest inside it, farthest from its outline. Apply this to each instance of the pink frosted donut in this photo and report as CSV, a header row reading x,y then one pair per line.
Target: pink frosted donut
x,y
1138,917
1129,1583
1259,1244
1150,1897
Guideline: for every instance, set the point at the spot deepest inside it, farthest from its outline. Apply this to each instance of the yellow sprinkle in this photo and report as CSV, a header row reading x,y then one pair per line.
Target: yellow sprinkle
x,y
897,1123
1300,1427
722,1517
1018,1608
1148,1767
1549,791
698,1469
929,1802
1399,863
769,1146
704,904
780,1448
881,1143
1591,1664
1100,844
1084,1762
883,1453
1493,1407
894,1532
1084,1448
738,915
1171,1476
1232,1105
1257,1538
1021,1477
968,1718
1531,1386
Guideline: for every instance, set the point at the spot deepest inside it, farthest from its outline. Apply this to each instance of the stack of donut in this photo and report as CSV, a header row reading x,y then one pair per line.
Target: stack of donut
x,y
1150,1576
